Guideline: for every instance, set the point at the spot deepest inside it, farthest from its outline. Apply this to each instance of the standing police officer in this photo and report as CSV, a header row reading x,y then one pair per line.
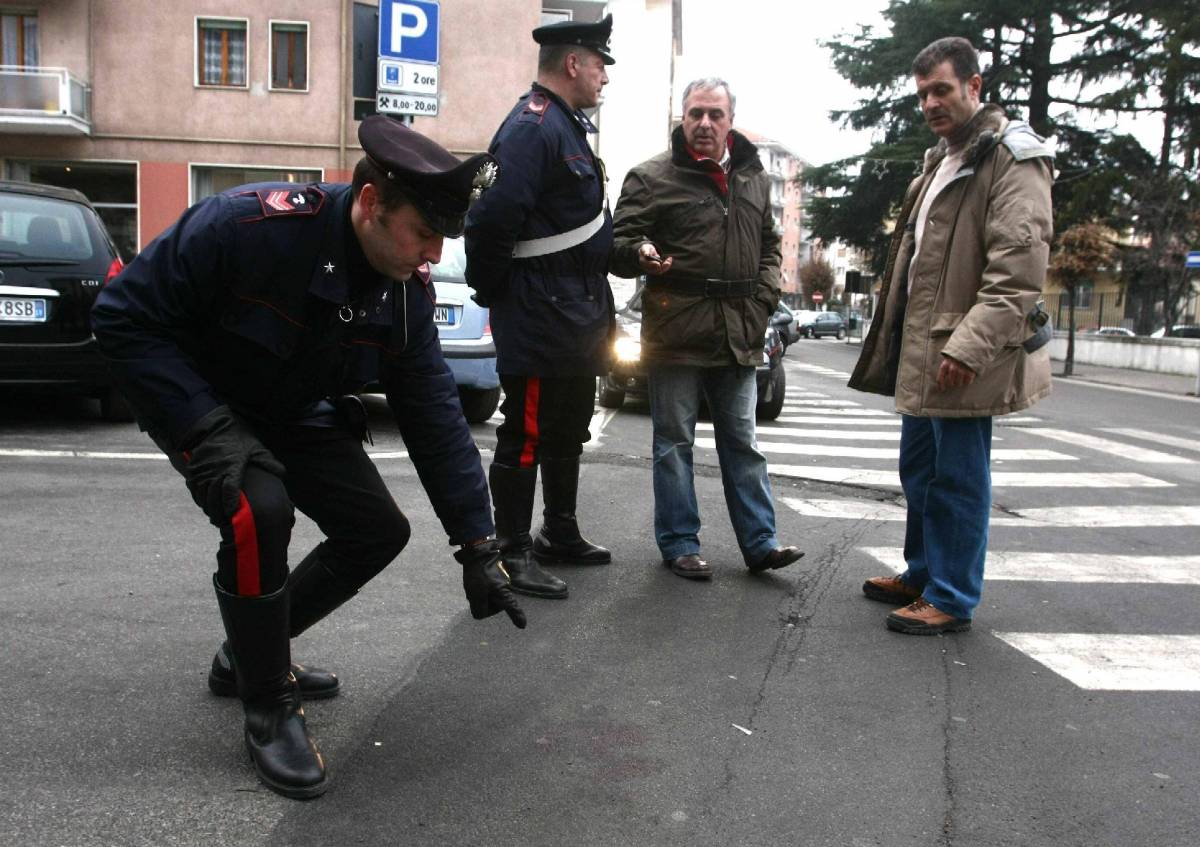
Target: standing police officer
x,y
239,336
537,254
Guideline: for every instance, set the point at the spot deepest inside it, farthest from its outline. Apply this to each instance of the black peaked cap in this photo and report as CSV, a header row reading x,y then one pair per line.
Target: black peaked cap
x,y
592,36
437,182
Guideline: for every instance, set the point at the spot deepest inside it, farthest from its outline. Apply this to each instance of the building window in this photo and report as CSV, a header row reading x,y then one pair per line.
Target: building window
x,y
1083,295
208,180
221,52
289,56
18,39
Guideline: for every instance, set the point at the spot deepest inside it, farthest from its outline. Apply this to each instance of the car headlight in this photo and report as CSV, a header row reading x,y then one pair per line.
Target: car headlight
x,y
628,349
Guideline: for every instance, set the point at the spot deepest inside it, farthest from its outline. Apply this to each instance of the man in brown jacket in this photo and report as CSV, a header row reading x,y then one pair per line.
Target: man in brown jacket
x,y
697,221
955,337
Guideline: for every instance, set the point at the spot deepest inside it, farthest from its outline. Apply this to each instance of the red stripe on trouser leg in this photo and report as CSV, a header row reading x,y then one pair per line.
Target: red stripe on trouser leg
x,y
245,541
533,387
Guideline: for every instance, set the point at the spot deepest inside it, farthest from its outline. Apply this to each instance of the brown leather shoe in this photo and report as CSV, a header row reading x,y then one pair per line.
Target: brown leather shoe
x,y
890,589
690,566
775,559
921,617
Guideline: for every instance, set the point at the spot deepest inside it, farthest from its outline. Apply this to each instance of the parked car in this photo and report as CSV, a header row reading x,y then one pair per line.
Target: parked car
x,y
823,323
1113,331
628,376
1178,331
785,321
466,335
55,256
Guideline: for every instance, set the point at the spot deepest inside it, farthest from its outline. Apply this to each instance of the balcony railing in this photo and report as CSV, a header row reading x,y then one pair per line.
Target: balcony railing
x,y
44,101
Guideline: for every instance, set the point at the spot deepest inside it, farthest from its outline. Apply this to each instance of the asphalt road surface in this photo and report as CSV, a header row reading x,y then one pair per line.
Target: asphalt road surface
x,y
645,709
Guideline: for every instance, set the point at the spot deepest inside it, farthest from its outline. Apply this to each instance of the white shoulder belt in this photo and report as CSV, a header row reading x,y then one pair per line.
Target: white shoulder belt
x,y
557,243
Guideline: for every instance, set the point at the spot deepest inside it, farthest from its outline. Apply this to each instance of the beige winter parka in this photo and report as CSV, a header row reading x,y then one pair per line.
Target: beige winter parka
x,y
979,273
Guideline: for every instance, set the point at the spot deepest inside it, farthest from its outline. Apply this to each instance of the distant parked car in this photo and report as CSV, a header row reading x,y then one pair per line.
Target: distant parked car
x,y
55,256
1114,331
466,335
1178,331
823,323
628,375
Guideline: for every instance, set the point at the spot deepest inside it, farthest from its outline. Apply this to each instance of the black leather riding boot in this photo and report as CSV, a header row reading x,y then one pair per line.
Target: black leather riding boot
x,y
559,541
512,498
285,757
313,592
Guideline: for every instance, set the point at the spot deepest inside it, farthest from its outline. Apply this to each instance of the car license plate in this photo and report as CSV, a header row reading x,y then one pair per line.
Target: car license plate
x,y
23,309
443,315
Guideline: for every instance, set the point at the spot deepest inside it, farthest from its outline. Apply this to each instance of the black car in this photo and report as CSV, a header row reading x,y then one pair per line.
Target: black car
x,y
55,255
816,324
628,376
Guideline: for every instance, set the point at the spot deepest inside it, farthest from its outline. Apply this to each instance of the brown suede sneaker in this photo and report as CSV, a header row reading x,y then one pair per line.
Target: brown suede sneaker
x,y
921,617
890,589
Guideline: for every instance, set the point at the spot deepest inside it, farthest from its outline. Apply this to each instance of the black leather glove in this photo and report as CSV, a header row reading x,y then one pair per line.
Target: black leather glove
x,y
219,447
486,584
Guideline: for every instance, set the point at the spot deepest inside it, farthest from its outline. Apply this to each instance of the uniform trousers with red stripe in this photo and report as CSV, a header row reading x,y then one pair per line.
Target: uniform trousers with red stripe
x,y
544,416
330,479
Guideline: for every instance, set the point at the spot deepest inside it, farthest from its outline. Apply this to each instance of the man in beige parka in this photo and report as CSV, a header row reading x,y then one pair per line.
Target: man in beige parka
x,y
955,337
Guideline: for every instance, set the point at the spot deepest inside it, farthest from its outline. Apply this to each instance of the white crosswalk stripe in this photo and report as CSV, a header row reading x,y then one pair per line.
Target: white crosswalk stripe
x,y
888,452
1060,516
1113,448
1000,479
1102,568
1157,437
815,417
835,434
1110,662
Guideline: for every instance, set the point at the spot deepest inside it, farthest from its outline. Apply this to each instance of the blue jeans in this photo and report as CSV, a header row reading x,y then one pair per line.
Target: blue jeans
x,y
731,393
945,473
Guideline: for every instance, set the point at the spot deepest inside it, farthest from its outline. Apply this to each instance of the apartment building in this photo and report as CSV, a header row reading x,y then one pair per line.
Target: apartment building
x,y
150,105
784,168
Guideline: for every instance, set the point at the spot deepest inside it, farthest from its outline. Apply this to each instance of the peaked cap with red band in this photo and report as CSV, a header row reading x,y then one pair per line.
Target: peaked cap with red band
x,y
436,181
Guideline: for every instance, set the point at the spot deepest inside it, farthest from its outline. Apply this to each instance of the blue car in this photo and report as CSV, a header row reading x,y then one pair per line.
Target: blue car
x,y
466,335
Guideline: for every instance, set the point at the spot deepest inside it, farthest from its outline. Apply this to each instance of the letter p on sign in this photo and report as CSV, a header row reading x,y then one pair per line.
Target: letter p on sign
x,y
408,21
408,30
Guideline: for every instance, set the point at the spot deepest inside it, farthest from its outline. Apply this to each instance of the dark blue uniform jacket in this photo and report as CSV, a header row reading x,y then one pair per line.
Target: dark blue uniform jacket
x,y
551,315
244,301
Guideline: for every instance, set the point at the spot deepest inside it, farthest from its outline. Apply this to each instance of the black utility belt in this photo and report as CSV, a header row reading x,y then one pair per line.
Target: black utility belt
x,y
700,286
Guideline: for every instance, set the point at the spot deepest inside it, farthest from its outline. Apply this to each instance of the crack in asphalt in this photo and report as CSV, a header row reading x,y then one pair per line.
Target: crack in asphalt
x,y
808,588
949,788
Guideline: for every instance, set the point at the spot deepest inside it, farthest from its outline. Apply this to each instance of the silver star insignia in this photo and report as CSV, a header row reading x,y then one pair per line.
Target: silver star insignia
x,y
329,267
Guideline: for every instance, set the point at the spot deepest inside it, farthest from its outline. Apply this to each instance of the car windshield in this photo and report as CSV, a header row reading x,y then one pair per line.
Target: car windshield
x,y
44,228
453,266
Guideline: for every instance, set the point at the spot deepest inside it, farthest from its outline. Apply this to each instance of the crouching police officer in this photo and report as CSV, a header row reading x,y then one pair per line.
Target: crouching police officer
x,y
239,336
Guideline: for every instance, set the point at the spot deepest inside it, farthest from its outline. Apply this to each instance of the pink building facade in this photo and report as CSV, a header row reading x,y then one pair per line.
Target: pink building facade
x,y
148,106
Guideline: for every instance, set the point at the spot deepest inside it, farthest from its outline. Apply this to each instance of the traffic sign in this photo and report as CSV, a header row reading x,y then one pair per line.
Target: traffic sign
x,y
408,77
1193,259
406,104
817,297
408,30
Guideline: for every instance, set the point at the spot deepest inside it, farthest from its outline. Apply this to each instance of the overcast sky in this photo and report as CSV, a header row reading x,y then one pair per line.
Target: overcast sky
x,y
784,81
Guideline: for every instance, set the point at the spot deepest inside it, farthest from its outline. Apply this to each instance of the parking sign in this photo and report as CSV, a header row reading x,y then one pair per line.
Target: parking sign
x,y
408,30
